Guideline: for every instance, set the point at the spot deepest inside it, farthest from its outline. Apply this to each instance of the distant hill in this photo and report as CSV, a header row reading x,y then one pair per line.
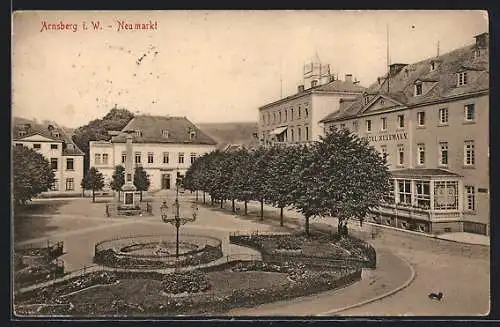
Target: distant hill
x,y
231,133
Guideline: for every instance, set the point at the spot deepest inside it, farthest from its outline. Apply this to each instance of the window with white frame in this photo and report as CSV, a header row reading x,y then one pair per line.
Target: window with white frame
x,y
306,132
383,123
421,153
391,198
151,157
105,158
138,133
70,184
54,146
286,114
124,156
469,153
291,135
279,114
443,153
299,134
446,195
299,112
164,133
291,113
165,157
443,116
97,158
469,112
37,146
401,155
470,194
181,157
193,157
137,157
462,78
368,125
306,112
401,121
423,194
421,118
404,191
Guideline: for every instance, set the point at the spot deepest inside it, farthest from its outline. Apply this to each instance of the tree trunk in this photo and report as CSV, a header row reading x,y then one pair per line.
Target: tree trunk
x,y
221,203
234,210
307,226
261,209
246,207
93,195
281,217
196,195
203,197
212,200
140,197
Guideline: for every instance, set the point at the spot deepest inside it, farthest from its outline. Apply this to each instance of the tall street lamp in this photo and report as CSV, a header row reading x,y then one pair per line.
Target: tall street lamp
x,y
177,220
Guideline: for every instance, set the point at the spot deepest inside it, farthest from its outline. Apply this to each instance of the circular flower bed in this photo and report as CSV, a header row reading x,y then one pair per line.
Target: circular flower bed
x,y
185,282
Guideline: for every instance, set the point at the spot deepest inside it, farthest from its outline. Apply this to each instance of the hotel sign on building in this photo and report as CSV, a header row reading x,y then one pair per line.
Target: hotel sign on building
x,y
430,120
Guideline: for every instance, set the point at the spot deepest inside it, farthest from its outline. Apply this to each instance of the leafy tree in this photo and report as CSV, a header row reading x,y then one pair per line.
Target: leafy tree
x,y
281,181
97,129
118,179
342,176
259,173
141,180
93,180
32,174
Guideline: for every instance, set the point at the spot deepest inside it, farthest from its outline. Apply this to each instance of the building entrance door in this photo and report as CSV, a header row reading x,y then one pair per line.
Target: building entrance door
x,y
165,181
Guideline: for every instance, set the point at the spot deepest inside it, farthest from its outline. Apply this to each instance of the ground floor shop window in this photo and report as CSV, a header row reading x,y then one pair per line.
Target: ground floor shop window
x,y
446,195
423,194
404,191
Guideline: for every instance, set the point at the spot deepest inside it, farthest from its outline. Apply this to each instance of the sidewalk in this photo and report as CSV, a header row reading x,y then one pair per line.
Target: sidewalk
x,y
297,220
392,275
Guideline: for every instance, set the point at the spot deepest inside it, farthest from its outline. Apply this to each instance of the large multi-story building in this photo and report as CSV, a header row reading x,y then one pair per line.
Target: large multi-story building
x,y
430,120
57,147
164,146
295,119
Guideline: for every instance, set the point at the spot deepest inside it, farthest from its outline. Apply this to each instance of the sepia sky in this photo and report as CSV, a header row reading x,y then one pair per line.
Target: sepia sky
x,y
211,66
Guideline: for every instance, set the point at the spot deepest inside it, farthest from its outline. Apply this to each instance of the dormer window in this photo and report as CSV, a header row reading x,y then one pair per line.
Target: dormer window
x,y
22,133
477,53
418,89
56,134
367,99
462,78
433,66
138,133
164,133
192,135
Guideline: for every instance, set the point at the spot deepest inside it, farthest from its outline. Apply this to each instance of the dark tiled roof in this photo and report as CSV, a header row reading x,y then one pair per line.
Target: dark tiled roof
x,y
422,172
151,128
43,130
442,81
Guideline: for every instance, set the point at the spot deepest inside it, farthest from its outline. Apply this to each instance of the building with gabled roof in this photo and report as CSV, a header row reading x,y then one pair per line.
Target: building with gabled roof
x,y
164,146
58,148
295,119
430,120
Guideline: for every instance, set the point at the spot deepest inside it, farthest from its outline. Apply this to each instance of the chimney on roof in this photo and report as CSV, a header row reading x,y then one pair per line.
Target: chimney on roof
x,y
394,69
482,40
348,78
300,88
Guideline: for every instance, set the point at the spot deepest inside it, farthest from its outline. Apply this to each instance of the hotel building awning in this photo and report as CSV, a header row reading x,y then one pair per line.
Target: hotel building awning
x,y
278,131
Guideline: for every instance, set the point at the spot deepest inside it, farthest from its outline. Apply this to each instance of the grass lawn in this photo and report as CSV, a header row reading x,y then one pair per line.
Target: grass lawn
x,y
148,291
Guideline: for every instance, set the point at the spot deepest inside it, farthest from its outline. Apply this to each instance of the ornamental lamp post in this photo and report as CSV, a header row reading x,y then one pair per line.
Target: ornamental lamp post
x,y
177,220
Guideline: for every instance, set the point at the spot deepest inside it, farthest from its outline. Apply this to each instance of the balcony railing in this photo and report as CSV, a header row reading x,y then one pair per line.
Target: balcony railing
x,y
404,211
